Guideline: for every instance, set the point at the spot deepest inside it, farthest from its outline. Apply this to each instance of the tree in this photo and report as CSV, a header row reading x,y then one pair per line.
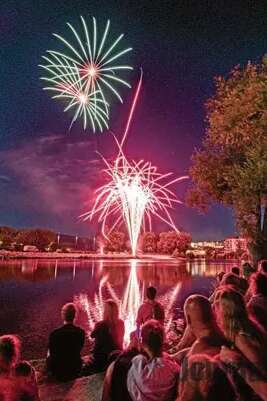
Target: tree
x,y
149,242
183,243
167,242
231,167
37,237
7,235
116,242
172,241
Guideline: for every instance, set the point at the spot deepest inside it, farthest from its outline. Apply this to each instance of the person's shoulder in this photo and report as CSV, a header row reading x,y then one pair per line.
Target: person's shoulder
x,y
80,331
169,360
143,305
139,359
100,325
57,331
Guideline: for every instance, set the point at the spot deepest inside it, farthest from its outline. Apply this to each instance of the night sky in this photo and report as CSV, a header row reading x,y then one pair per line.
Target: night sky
x,y
47,173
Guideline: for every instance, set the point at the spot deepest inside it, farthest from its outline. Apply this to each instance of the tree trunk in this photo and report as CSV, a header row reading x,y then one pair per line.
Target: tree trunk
x,y
258,248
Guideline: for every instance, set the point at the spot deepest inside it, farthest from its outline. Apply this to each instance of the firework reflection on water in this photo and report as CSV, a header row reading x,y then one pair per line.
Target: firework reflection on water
x,y
129,303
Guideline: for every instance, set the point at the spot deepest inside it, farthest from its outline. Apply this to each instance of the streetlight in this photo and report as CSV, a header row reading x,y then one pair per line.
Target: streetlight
x,y
94,247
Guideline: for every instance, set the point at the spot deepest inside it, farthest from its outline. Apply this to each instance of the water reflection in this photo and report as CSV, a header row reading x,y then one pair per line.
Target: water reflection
x,y
32,292
132,297
158,272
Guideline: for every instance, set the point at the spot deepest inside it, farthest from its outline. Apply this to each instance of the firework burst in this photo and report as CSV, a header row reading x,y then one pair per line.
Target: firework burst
x,y
85,71
135,191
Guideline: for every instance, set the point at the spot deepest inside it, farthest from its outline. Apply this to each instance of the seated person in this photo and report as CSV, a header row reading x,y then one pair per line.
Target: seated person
x,y
240,364
65,345
155,376
247,269
201,324
12,386
108,335
150,309
115,382
262,266
257,305
204,380
26,382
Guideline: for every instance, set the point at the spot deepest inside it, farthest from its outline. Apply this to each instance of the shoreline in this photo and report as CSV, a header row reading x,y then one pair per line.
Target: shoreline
x,y
13,255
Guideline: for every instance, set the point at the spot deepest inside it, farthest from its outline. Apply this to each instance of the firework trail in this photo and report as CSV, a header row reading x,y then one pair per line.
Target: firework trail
x,y
134,192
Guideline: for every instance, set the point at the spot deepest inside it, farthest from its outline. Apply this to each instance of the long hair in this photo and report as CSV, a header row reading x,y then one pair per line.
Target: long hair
x,y
111,318
233,317
111,312
9,350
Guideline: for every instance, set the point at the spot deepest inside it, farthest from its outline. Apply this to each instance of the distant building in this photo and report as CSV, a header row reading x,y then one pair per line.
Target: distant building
x,y
233,244
207,244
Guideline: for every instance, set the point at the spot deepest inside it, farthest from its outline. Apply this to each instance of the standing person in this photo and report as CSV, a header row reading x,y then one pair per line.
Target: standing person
x,y
150,309
65,345
108,335
154,377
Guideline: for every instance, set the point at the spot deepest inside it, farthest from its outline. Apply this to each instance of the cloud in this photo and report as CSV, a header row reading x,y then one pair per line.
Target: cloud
x,y
4,178
52,175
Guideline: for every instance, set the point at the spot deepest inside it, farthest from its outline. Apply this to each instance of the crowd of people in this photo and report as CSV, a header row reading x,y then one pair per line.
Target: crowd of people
x,y
221,355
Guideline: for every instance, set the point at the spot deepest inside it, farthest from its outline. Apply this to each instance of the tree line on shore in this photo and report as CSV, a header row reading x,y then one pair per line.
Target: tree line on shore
x,y
11,238
170,242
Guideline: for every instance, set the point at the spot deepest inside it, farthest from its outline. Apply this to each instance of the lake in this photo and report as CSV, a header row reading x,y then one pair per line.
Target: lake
x,y
32,292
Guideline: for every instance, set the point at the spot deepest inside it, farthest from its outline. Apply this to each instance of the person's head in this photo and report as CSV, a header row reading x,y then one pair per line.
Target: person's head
x,y
231,279
231,313
235,270
151,293
152,335
262,267
24,372
247,269
111,311
258,284
23,368
9,351
219,276
68,312
198,312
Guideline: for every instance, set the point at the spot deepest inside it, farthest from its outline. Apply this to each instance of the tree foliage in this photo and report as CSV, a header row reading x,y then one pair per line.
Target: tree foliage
x,y
149,242
171,241
116,242
231,167
38,237
7,235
